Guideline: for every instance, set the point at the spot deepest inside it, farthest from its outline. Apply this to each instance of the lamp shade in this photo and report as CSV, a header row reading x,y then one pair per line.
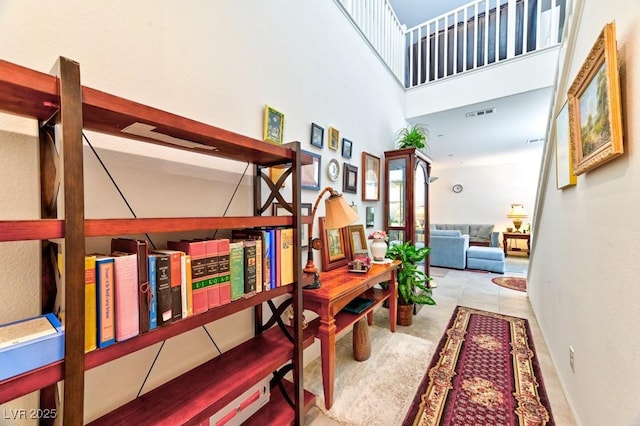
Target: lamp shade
x,y
338,214
517,211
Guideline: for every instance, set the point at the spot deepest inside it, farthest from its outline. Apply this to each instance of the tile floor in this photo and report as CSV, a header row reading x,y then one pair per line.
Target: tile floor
x,y
475,289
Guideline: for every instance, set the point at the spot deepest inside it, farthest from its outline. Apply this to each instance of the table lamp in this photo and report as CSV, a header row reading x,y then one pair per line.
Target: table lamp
x,y
338,214
516,214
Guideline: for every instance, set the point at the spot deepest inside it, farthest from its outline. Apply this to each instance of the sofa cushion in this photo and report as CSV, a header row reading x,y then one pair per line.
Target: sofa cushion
x,y
445,233
482,232
489,253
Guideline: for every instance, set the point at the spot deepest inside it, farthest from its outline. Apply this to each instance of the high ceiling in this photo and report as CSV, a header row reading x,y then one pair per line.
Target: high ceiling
x,y
456,140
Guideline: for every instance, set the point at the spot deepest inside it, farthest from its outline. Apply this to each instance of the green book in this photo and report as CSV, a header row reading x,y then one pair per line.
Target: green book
x,y
236,263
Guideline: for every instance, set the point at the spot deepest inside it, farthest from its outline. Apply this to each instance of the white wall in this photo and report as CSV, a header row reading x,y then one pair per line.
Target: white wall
x,y
217,62
584,271
488,191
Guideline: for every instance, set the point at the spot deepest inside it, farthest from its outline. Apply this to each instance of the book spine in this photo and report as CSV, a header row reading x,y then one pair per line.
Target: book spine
x,y
152,293
213,291
223,279
259,282
126,296
105,302
272,258
286,257
199,278
183,284
249,267
266,260
236,265
189,279
278,256
163,287
141,249
90,336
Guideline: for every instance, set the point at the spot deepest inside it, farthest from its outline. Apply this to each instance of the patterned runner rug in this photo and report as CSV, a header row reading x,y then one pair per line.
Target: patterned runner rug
x,y
484,372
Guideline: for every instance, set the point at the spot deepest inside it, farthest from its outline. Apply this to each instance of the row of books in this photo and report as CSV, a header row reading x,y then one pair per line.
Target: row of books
x,y
134,289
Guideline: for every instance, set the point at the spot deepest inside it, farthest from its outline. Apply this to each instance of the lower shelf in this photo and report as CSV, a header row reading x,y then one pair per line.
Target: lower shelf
x,y
199,393
278,412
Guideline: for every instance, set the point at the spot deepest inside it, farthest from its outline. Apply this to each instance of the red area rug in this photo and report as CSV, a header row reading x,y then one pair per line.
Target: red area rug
x,y
484,372
513,283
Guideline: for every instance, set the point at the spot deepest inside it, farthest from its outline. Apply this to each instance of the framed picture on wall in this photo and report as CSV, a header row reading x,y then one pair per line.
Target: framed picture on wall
x,y
350,182
595,110
370,216
564,169
310,175
370,177
280,210
317,135
273,125
334,136
347,146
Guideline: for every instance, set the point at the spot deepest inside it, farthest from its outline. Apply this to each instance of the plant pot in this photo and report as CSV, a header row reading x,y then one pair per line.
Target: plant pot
x,y
405,315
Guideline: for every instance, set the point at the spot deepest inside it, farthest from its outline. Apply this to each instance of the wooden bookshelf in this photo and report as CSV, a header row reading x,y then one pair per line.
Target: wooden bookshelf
x,y
62,100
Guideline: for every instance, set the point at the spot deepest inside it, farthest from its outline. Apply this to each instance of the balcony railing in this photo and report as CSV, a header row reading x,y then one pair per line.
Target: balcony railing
x,y
475,35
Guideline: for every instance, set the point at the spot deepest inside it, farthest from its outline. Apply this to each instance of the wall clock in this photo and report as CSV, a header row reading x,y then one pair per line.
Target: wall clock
x,y
457,188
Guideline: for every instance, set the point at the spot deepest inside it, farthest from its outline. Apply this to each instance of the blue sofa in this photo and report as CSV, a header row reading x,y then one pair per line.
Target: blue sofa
x,y
479,235
448,248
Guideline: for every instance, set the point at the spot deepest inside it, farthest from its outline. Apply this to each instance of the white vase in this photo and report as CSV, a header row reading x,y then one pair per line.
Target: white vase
x,y
378,249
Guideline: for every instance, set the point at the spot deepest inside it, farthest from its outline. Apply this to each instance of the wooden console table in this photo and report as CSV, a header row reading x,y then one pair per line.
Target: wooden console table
x,y
339,287
516,236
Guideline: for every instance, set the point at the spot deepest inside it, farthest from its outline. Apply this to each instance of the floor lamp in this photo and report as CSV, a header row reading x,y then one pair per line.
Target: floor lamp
x,y
338,214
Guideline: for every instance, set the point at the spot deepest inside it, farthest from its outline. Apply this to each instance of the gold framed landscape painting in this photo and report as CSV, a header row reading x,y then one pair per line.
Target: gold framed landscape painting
x,y
564,168
273,125
595,116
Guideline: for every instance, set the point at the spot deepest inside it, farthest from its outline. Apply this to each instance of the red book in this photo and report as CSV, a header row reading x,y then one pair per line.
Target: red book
x,y
195,249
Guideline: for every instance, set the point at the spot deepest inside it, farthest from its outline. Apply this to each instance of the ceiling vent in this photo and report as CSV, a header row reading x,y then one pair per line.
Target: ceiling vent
x,y
538,140
481,112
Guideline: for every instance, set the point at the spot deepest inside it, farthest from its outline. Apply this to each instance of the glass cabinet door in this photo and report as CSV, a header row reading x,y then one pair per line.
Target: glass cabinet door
x,y
397,201
419,201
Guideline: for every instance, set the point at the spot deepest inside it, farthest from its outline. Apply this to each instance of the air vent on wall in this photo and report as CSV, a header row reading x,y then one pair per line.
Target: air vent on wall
x,y
481,112
535,140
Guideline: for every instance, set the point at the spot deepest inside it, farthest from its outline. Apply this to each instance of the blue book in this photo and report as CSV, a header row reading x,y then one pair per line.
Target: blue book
x,y
105,306
270,256
153,306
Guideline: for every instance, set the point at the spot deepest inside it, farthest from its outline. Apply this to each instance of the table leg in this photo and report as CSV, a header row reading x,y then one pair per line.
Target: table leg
x,y
504,245
393,302
370,318
327,335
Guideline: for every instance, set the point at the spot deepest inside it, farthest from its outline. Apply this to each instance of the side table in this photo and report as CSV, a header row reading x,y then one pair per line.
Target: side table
x,y
515,236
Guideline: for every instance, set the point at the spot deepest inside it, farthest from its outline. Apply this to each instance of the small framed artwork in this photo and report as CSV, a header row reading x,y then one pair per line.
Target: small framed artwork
x,y
276,172
346,148
370,177
350,182
305,208
564,171
311,173
357,240
273,125
370,216
334,136
317,135
595,117
335,251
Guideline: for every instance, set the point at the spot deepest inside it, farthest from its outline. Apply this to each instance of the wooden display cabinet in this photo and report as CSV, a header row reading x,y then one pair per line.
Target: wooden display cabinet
x,y
406,192
63,109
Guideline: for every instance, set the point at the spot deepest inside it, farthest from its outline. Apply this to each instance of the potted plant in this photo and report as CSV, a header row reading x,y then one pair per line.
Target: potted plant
x,y
412,282
412,136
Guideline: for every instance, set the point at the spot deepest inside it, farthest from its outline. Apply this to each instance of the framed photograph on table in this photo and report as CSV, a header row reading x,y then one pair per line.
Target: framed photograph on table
x,y
350,181
335,247
595,110
370,177
310,176
347,147
317,135
273,125
357,240
334,137
305,208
